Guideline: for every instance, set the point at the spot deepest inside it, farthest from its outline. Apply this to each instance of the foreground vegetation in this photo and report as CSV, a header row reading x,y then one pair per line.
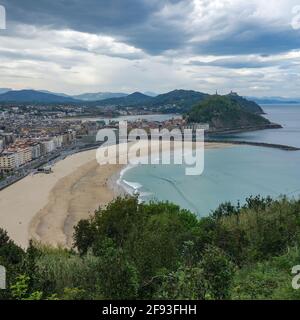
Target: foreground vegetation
x,y
159,251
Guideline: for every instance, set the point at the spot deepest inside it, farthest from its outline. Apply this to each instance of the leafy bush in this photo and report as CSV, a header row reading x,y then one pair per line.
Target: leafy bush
x,y
130,250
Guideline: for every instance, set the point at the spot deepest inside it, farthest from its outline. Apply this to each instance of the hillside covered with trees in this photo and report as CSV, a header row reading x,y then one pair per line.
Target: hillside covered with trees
x,y
159,251
224,113
176,101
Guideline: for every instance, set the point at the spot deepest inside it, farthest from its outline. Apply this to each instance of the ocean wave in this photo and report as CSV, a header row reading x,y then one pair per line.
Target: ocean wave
x,y
130,187
122,173
135,186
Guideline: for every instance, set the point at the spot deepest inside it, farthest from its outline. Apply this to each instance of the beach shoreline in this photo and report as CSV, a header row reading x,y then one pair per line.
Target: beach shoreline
x,y
47,207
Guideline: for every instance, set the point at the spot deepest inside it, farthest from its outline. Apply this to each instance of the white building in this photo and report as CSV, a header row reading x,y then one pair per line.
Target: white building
x,y
58,141
8,161
47,146
23,156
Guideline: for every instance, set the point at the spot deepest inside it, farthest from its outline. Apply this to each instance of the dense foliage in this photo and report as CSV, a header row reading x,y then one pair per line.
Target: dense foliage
x,y
159,251
247,105
226,113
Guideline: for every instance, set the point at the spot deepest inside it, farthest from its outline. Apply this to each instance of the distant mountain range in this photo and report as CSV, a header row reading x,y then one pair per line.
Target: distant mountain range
x,y
275,100
99,96
28,95
32,96
150,93
56,94
133,99
176,101
104,99
4,90
181,98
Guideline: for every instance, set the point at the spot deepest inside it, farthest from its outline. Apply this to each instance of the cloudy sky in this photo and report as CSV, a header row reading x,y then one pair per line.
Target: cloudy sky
x,y
75,46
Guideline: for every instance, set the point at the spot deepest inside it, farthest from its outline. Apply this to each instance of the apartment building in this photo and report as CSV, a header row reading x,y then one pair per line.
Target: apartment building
x,y
7,162
69,137
47,146
8,138
23,156
58,141
15,156
35,150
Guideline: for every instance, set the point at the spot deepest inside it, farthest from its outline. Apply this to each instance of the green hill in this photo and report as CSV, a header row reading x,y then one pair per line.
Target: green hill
x,y
225,113
134,99
177,100
247,105
174,101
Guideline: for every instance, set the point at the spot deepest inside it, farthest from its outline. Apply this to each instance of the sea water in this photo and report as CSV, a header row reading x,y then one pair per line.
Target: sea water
x,y
286,115
231,173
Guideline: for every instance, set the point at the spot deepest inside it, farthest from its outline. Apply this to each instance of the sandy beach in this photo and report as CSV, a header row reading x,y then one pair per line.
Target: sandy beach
x,y
46,207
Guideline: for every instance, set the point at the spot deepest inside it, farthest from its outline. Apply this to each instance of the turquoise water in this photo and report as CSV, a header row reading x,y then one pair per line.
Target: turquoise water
x,y
230,174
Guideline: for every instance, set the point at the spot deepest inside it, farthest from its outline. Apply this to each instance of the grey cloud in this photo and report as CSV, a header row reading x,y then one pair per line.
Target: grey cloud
x,y
64,63
138,23
234,63
253,62
122,55
252,39
132,21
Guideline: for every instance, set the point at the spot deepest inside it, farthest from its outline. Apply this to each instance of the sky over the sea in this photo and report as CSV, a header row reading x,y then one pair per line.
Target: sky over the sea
x,y
75,46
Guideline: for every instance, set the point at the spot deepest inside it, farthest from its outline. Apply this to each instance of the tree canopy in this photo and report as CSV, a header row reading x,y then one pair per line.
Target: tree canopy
x,y
132,250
